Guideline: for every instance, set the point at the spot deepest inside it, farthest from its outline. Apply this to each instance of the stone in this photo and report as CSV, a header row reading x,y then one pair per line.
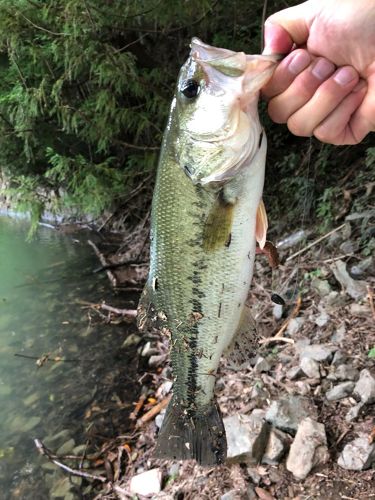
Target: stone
x,y
277,445
148,350
359,270
310,367
247,437
230,495
159,419
340,391
338,358
146,483
66,448
61,488
308,449
31,423
286,413
358,454
277,311
262,365
365,387
174,470
302,387
60,437
250,493
322,287
30,400
355,289
344,372
322,319
348,247
294,325
294,373
354,412
156,360
339,336
317,352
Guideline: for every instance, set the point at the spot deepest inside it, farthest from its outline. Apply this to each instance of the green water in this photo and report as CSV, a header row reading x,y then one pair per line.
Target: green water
x,y
41,284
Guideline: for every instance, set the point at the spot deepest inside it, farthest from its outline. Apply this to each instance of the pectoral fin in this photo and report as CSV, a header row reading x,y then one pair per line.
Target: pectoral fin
x,y
217,229
245,340
261,225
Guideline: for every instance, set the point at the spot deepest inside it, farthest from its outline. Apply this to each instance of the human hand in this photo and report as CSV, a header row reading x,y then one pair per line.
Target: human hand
x,y
325,88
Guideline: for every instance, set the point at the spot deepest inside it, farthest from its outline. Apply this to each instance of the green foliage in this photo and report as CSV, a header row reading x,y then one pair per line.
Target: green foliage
x,y
85,89
371,353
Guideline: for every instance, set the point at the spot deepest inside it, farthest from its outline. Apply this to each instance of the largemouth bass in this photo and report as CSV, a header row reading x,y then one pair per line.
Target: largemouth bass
x,y
207,214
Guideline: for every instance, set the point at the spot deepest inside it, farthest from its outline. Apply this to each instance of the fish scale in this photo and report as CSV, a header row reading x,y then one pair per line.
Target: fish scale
x,y
202,250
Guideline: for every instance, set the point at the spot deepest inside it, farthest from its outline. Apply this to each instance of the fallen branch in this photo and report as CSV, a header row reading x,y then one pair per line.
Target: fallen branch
x,y
310,245
47,453
104,263
41,360
287,321
276,339
370,297
155,410
132,313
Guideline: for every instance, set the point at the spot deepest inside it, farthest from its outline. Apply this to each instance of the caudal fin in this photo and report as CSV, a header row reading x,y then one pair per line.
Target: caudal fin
x,y
199,436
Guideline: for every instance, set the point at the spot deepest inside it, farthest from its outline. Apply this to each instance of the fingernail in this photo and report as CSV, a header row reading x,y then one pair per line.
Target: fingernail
x,y
360,86
323,68
299,62
345,75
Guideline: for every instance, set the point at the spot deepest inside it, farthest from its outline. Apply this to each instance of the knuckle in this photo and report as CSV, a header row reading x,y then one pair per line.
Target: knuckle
x,y
297,127
276,112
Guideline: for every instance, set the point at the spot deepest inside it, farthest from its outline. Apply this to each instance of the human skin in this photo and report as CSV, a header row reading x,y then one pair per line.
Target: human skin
x,y
326,86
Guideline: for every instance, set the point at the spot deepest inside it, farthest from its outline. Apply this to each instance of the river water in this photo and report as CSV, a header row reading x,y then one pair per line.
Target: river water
x,y
42,285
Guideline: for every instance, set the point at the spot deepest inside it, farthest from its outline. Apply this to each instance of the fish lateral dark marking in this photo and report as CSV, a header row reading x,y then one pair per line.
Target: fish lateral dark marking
x,y
229,240
219,311
260,139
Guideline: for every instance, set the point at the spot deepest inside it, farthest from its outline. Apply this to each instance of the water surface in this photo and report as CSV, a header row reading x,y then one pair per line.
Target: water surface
x,y
42,286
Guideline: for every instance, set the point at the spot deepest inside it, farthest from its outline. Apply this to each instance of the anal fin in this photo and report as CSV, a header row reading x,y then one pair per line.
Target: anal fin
x,y
245,341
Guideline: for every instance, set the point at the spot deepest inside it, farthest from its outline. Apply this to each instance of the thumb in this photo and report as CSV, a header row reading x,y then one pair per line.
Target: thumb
x,y
289,26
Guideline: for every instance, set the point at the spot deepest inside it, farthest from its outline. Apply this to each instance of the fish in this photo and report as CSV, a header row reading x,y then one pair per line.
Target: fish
x,y
207,214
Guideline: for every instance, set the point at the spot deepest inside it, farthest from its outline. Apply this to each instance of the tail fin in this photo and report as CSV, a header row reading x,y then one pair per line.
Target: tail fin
x,y
199,436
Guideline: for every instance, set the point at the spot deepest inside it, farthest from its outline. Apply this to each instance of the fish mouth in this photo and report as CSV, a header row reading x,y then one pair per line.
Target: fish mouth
x,y
226,61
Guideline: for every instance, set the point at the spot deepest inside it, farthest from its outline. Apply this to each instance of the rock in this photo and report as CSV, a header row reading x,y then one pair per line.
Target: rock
x,y
66,448
365,387
131,340
287,412
302,387
338,358
174,470
339,335
317,352
148,351
159,419
308,449
310,367
262,365
349,246
356,289
294,373
359,270
322,287
247,437
322,319
30,400
293,239
340,391
354,412
250,493
254,475
60,437
344,372
357,455
146,483
230,495
164,389
156,360
294,325
277,445
31,423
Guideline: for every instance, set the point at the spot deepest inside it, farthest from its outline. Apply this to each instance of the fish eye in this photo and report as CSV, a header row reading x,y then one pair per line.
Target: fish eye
x,y
190,88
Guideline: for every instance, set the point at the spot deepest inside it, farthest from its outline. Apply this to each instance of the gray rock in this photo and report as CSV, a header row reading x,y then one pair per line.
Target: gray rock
x,y
277,445
322,319
355,289
359,270
340,391
66,448
262,365
230,495
146,483
148,350
277,311
310,367
247,437
294,326
131,340
338,358
250,493
174,470
344,372
294,373
354,412
254,475
286,413
159,419
322,287
308,449
365,387
317,352
339,335
302,387
349,246
157,360
357,455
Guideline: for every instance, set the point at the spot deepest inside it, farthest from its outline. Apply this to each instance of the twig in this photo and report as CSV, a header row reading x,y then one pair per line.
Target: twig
x,y
155,410
276,339
47,453
111,276
314,243
333,259
41,28
370,296
293,315
46,357
131,313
